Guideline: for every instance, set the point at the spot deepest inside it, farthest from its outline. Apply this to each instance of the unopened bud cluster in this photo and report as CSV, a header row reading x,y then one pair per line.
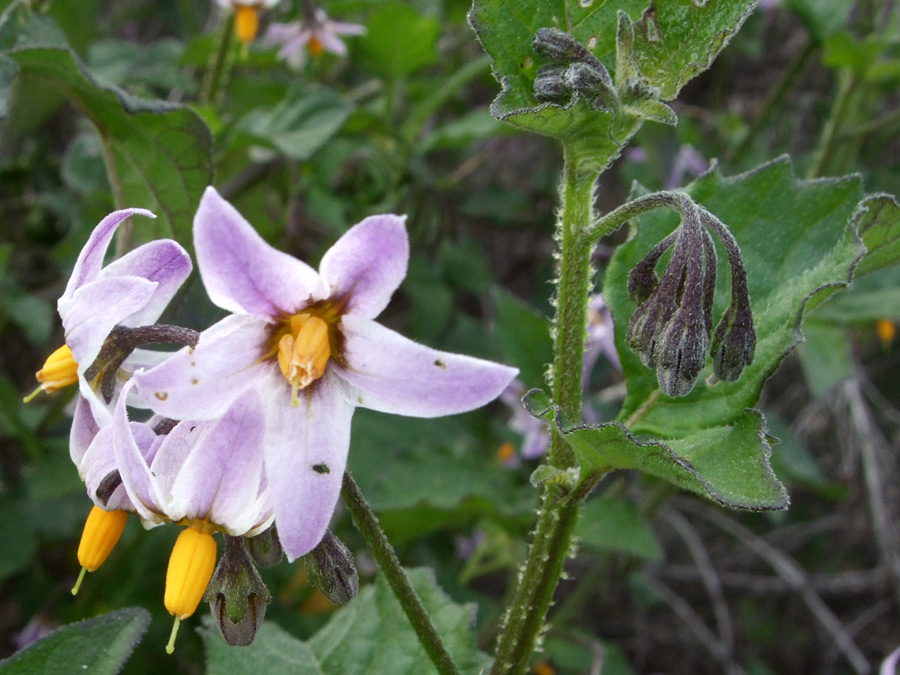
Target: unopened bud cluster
x,y
671,328
572,69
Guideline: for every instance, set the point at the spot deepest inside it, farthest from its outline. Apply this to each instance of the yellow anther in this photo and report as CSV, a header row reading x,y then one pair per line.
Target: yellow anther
x,y
315,46
59,371
304,352
191,567
246,23
886,330
102,530
506,452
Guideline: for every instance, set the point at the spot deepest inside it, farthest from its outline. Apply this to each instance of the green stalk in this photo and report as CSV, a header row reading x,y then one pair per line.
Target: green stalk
x,y
366,522
218,68
848,83
560,506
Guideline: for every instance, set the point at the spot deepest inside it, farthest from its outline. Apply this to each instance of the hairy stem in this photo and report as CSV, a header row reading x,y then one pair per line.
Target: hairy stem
x,y
219,66
366,522
560,507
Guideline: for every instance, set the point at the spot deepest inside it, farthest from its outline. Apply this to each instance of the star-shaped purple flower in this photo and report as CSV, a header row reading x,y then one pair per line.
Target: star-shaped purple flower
x,y
307,342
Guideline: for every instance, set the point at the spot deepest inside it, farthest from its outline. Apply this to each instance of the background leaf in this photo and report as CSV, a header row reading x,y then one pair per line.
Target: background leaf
x,y
371,634
97,646
158,154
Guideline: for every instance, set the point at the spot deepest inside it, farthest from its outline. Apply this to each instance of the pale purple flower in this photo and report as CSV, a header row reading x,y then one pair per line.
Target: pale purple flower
x,y
600,337
314,35
131,291
200,473
534,431
307,342
889,665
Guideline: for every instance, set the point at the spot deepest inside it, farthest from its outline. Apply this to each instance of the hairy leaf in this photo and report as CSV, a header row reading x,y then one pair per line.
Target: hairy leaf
x,y
371,634
100,645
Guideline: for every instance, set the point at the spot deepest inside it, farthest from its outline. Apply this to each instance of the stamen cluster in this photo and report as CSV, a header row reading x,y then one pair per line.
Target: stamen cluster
x,y
671,327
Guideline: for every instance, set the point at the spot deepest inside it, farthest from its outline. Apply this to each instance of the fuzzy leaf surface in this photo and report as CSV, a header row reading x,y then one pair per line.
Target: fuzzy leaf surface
x,y
158,154
100,645
371,634
674,41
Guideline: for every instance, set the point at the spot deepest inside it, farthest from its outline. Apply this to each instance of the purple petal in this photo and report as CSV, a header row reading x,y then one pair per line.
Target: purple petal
x,y
95,309
200,383
342,28
330,41
164,262
396,375
139,482
367,264
84,428
241,272
306,453
90,260
219,481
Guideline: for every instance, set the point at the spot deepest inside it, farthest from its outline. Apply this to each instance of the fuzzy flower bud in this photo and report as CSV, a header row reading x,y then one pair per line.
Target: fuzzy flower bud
x,y
558,45
550,85
237,595
265,548
330,566
734,343
682,352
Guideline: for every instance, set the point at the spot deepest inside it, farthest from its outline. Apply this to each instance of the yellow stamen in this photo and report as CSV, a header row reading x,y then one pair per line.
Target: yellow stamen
x,y
246,23
191,567
59,371
886,330
506,452
102,530
304,352
315,46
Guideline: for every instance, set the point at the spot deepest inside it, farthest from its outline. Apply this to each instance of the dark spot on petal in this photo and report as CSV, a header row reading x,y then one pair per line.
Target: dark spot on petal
x,y
194,380
321,468
440,364
193,364
161,395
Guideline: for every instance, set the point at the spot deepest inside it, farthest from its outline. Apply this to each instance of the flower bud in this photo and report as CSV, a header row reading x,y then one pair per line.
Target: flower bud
x,y
682,352
592,81
558,45
647,324
642,280
550,85
237,595
330,566
734,343
265,548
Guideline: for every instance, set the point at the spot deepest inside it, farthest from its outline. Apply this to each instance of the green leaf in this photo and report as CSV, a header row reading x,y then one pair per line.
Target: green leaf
x,y
299,125
371,634
421,475
158,154
616,524
826,356
872,297
674,40
879,226
822,17
728,464
98,646
524,336
799,243
399,41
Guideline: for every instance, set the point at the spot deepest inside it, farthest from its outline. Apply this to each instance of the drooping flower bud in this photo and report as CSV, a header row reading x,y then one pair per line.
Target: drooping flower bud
x,y
734,343
642,279
330,566
237,595
682,352
265,548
